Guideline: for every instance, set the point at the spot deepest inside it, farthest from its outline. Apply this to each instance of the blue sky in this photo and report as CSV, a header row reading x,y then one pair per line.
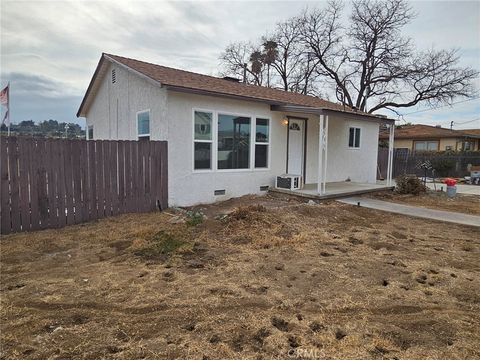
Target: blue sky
x,y
49,49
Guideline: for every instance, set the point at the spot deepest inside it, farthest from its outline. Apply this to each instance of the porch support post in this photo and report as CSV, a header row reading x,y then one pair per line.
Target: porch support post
x,y
322,154
390,155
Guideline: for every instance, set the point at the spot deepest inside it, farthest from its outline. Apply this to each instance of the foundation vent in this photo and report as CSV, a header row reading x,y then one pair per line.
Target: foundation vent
x,y
219,192
264,188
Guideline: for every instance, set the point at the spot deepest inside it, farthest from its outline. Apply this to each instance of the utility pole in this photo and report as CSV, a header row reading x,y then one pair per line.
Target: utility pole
x,y
451,125
66,131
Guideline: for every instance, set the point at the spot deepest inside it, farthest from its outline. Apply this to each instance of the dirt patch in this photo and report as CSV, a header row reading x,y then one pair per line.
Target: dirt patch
x,y
255,278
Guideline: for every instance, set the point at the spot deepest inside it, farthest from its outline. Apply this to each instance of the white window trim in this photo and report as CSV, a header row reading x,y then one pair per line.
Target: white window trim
x,y
426,142
149,123
212,141
268,143
250,165
88,132
348,137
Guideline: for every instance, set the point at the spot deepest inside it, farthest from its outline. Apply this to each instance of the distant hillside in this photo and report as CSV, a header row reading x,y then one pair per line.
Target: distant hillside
x,y
47,128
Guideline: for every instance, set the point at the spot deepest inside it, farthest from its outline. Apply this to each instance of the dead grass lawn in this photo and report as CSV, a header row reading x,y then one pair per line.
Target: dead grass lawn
x,y
275,276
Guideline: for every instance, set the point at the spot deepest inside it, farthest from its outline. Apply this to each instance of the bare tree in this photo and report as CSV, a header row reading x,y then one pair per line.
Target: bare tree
x,y
370,62
432,77
366,63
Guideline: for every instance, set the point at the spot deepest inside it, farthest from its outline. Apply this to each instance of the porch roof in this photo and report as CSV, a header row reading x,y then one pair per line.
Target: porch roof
x,y
325,111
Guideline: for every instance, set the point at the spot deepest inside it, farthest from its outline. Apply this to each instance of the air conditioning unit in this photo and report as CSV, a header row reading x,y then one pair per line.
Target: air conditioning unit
x,y
289,181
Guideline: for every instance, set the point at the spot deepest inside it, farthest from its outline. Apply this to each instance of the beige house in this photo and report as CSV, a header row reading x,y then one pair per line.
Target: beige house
x,y
433,138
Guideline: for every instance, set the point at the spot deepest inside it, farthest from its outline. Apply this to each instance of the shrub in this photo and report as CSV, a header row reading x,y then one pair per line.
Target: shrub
x,y
443,167
409,184
161,245
194,218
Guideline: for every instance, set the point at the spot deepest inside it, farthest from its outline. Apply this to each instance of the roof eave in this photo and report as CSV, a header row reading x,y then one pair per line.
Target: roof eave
x,y
282,106
136,72
82,111
432,137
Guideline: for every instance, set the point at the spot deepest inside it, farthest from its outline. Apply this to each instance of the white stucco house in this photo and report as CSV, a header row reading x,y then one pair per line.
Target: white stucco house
x,y
226,138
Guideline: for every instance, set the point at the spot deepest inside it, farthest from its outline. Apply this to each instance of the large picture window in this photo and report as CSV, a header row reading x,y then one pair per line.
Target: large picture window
x,y
203,122
354,138
262,142
233,142
143,124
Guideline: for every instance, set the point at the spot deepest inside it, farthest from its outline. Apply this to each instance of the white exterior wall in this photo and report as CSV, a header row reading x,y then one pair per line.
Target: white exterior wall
x,y
188,187
113,112
171,119
360,165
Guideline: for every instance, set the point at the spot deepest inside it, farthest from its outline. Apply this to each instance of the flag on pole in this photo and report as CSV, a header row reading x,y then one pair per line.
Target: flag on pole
x,y
4,96
6,119
4,100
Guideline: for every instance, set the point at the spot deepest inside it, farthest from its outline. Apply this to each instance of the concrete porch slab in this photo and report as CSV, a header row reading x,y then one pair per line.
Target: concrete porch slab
x,y
334,190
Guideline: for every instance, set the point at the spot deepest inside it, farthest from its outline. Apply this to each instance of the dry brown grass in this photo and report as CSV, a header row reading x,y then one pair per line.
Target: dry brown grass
x,y
274,275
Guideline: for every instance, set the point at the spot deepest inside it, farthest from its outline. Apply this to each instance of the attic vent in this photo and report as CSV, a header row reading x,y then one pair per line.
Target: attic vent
x,y
219,192
114,76
264,188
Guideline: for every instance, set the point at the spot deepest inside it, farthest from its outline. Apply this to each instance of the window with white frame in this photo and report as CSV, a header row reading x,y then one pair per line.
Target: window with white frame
x,y
426,146
468,146
202,143
233,142
90,132
262,142
143,125
354,137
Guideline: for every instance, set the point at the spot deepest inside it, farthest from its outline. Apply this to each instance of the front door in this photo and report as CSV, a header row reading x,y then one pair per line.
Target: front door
x,y
296,146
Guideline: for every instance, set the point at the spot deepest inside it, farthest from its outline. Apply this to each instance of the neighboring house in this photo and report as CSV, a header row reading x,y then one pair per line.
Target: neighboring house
x,y
226,138
475,132
433,138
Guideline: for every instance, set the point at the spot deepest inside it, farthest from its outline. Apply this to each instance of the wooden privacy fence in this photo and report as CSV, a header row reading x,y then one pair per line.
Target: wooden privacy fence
x,y
406,161
51,183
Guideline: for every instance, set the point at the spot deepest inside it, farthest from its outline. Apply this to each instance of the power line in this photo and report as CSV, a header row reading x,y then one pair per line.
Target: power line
x,y
442,106
461,122
466,122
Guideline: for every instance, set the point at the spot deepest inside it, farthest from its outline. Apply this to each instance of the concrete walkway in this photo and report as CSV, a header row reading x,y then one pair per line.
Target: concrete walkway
x,y
409,210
